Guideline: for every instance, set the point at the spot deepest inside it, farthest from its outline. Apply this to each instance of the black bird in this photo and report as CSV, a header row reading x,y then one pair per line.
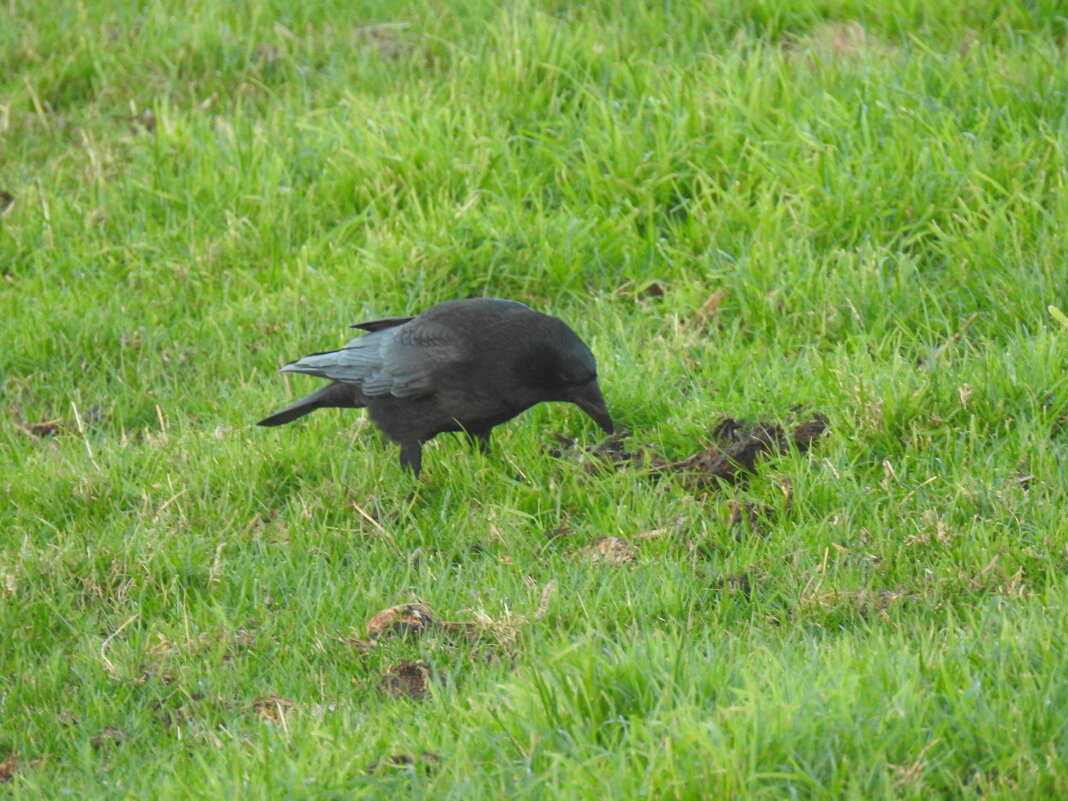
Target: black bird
x,y
464,365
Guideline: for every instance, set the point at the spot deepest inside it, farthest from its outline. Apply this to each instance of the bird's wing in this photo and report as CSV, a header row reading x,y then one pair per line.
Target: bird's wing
x,y
413,356
385,322
401,360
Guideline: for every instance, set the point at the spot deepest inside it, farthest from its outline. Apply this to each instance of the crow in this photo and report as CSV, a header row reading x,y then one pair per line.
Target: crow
x,y
463,365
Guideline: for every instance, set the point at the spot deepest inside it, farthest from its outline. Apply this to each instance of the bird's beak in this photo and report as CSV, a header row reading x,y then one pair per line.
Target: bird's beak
x,y
588,397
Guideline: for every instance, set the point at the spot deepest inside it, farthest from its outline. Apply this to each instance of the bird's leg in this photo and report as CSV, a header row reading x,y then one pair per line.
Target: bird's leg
x,y
411,456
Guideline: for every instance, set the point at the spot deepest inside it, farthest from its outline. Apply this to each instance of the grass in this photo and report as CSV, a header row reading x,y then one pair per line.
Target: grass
x,y
876,195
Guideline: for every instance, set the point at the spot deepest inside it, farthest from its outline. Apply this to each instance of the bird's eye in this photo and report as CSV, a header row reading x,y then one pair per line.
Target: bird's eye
x,y
575,379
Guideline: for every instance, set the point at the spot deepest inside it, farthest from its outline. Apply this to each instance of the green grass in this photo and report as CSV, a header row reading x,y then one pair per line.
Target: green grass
x,y
878,192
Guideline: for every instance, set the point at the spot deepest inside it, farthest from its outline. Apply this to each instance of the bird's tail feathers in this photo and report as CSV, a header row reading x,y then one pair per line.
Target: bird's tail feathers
x,y
338,395
316,364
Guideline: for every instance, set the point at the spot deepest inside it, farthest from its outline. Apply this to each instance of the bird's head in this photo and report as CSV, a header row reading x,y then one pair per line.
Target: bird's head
x,y
560,367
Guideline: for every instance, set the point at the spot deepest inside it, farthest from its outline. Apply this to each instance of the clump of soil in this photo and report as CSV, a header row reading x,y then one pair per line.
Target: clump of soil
x,y
403,620
740,445
734,455
411,679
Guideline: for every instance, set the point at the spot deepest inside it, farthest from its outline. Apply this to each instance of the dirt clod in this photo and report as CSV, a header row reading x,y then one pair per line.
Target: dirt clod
x,y
402,621
8,766
45,428
741,445
411,679
732,458
654,289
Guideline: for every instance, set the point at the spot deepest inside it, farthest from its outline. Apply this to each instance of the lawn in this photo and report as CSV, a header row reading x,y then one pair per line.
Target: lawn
x,y
770,213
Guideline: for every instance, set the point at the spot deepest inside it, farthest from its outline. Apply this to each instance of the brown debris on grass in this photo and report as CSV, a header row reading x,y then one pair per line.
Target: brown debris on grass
x,y
45,428
861,601
8,767
653,289
709,310
56,425
272,707
402,620
14,763
416,620
611,550
411,679
729,461
483,638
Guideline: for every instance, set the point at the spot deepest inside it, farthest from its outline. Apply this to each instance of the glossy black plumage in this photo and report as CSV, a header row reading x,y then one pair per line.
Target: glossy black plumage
x,y
464,365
